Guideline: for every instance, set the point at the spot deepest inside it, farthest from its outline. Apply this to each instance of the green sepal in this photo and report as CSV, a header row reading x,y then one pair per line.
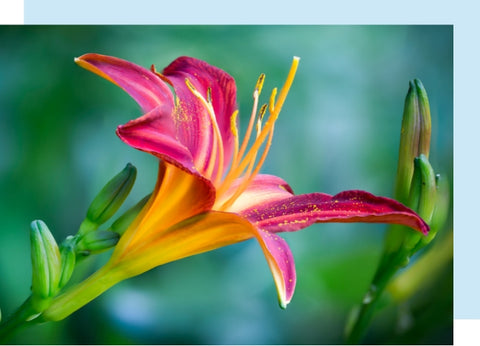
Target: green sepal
x,y
95,242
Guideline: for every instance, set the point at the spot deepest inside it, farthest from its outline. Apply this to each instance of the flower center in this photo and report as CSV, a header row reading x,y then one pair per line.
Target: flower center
x,y
244,166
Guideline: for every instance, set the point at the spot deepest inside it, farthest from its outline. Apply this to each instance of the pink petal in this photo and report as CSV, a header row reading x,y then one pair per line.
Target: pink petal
x,y
264,188
281,263
155,133
297,212
194,123
140,83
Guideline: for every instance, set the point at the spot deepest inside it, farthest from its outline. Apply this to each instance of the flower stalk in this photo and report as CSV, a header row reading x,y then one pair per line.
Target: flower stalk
x,y
418,187
53,265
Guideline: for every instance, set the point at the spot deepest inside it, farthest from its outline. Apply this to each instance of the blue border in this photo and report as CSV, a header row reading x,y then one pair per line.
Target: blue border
x,y
235,12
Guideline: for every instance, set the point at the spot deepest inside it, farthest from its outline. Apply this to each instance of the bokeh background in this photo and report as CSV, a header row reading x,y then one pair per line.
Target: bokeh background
x,y
339,130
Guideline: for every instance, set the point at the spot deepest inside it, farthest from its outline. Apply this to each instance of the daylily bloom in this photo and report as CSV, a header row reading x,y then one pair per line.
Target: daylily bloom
x,y
209,192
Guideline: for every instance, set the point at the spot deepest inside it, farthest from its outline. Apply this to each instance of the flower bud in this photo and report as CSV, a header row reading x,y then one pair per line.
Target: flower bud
x,y
110,198
45,264
422,196
122,223
97,241
414,141
68,257
414,138
440,214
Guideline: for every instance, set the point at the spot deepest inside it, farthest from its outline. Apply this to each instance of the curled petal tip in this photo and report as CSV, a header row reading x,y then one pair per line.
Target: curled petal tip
x,y
283,303
81,61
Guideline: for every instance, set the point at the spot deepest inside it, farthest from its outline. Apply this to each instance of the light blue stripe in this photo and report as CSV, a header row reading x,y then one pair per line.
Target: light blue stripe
x,y
231,12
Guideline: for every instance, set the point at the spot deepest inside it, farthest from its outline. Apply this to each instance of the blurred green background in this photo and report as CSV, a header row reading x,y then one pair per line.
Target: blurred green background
x,y
339,130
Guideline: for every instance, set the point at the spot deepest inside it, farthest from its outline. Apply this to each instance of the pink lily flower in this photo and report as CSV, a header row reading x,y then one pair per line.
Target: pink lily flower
x,y
209,191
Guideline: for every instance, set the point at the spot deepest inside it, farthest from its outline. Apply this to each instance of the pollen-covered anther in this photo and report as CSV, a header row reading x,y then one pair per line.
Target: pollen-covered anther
x,y
209,95
259,85
261,114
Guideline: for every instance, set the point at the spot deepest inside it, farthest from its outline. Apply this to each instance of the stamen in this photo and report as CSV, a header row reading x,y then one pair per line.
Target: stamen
x,y
288,84
192,88
249,159
162,77
256,95
234,129
230,177
217,150
249,175
275,111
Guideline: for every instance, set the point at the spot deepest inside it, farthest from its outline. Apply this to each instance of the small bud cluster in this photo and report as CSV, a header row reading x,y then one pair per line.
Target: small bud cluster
x,y
53,265
417,185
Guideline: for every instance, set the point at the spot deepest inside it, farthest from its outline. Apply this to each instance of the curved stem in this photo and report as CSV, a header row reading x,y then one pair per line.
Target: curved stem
x,y
362,318
81,294
20,318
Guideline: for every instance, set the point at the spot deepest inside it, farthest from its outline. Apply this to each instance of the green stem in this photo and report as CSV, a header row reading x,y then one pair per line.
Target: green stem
x,y
382,277
64,304
81,294
423,272
20,318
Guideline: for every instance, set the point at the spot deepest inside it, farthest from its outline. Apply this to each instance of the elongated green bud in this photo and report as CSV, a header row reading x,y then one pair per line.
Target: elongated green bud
x,y
97,241
68,257
425,187
122,223
45,265
414,138
414,141
440,214
109,199
422,195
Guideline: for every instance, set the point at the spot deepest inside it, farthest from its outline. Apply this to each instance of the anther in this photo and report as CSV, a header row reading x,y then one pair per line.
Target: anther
x,y
209,95
190,85
259,85
261,113
272,100
263,110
